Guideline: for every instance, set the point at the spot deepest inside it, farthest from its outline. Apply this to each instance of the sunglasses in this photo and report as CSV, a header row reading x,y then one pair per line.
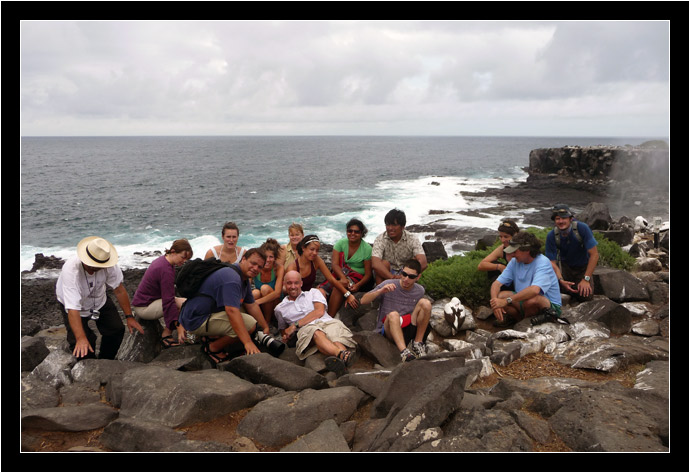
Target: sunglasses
x,y
354,230
407,275
520,246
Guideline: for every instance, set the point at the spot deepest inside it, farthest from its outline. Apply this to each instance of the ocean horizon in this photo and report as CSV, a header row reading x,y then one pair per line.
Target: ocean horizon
x,y
143,192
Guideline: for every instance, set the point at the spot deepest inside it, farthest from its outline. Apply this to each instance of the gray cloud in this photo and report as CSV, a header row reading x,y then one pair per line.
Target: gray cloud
x,y
228,77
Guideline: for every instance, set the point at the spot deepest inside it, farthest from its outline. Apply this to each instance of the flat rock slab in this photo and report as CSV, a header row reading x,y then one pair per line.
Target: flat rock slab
x,y
175,398
327,437
130,435
281,419
264,368
69,418
606,419
610,355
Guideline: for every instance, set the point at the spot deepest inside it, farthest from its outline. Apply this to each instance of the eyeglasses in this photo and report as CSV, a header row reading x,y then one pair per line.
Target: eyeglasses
x,y
407,275
354,230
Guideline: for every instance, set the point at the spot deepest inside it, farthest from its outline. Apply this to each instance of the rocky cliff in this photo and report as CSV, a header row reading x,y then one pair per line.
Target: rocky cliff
x,y
603,164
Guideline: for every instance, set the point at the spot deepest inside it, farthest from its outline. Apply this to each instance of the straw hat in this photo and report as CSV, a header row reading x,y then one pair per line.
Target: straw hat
x,y
97,252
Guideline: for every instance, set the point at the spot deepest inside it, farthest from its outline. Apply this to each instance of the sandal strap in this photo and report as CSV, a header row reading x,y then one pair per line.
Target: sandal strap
x,y
213,354
346,356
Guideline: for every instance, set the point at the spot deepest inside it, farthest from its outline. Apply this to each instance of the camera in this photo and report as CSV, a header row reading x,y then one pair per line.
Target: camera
x,y
274,346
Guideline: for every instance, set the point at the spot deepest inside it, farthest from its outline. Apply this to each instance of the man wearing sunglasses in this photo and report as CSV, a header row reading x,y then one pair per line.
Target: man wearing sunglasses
x,y
536,294
404,313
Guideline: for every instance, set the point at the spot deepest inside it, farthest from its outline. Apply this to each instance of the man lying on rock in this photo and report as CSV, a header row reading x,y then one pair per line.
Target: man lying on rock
x,y
303,315
214,314
536,293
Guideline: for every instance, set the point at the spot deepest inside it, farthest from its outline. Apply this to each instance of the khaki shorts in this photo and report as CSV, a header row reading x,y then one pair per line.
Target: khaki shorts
x,y
151,312
335,330
219,324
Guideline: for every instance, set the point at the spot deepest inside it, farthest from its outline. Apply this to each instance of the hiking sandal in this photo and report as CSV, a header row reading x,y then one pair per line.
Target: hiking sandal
x,y
348,357
335,364
213,355
169,342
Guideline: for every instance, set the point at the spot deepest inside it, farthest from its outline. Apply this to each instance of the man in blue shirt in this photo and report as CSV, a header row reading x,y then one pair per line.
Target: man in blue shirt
x,y
536,286
573,253
215,313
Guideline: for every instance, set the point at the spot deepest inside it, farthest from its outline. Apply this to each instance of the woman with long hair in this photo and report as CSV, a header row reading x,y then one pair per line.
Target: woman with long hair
x,y
350,264
155,296
268,284
309,262
228,251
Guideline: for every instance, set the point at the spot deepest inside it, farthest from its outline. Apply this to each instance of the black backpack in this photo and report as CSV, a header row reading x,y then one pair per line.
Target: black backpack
x,y
194,272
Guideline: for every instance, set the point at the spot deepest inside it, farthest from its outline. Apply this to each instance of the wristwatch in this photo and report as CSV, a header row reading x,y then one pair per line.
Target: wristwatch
x,y
296,324
347,294
509,300
587,278
129,316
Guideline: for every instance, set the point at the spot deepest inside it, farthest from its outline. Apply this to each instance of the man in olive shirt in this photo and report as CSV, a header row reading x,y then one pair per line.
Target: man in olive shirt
x,y
394,247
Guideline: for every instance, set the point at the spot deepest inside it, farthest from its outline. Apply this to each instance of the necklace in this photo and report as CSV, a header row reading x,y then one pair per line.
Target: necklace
x,y
95,314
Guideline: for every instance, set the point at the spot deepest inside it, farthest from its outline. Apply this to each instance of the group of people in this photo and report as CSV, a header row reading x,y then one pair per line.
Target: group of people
x,y
527,283
236,303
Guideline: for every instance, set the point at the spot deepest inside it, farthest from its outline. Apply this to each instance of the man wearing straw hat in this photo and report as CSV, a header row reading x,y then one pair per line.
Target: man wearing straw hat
x,y
81,292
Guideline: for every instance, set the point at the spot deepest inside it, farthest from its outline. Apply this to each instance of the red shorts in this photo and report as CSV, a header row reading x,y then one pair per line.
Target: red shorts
x,y
405,320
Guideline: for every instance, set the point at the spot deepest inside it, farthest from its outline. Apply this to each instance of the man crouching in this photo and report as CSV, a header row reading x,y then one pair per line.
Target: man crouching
x,y
536,292
305,313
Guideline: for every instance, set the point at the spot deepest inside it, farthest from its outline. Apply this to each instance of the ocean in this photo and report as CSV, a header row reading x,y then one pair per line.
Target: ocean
x,y
141,193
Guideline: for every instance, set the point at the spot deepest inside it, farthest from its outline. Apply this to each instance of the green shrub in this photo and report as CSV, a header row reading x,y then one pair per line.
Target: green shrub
x,y
612,255
458,275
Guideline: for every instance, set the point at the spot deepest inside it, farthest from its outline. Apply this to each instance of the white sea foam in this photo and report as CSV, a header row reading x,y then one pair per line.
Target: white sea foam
x,y
416,197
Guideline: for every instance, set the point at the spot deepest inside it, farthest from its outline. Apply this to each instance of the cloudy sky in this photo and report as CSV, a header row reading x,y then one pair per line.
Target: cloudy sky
x,y
572,78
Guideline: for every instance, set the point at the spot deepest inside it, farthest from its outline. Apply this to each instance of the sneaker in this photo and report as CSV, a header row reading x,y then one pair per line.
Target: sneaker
x,y
547,315
417,348
407,355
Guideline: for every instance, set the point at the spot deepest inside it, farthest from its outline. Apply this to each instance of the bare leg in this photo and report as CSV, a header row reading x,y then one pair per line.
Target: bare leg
x,y
393,330
384,267
325,345
420,317
334,302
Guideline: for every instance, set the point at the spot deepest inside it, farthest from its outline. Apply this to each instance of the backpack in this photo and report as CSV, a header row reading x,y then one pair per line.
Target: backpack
x,y
194,272
557,236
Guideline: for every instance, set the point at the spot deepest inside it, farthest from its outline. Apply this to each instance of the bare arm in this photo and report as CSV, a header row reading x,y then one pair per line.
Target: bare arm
x,y
351,299
123,299
422,260
381,269
82,347
277,290
317,313
371,295
487,264
237,323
